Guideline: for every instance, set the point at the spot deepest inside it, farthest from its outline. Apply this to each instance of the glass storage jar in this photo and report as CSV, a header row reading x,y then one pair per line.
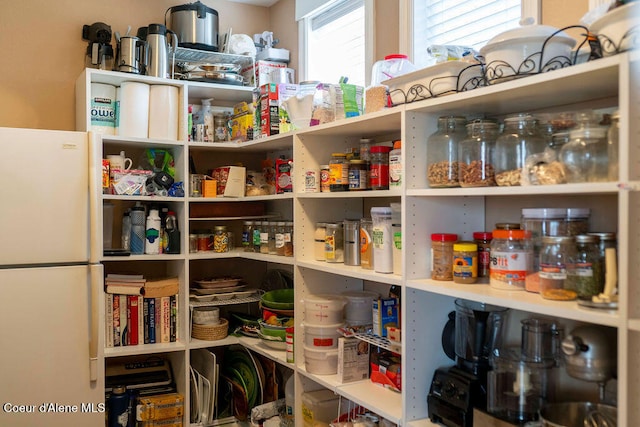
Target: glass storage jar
x,y
265,230
577,221
338,172
585,157
518,140
379,167
288,238
556,254
442,152
511,259
280,232
606,240
220,239
483,240
442,255
586,272
333,243
475,155
612,147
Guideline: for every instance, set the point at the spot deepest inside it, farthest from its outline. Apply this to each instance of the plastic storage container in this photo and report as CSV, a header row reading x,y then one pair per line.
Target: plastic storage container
x,y
382,239
465,262
323,337
392,66
511,259
324,309
319,407
320,361
442,255
442,152
358,307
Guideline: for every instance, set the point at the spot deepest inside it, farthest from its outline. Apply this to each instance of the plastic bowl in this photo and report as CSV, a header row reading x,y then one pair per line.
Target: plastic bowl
x,y
273,331
280,299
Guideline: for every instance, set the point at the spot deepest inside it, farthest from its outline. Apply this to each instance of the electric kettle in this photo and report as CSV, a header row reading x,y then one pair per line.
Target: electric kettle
x,y
160,43
132,55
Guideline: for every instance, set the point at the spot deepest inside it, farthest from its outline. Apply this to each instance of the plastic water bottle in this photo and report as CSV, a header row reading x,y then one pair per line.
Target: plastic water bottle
x,y
137,229
290,397
125,240
172,233
152,233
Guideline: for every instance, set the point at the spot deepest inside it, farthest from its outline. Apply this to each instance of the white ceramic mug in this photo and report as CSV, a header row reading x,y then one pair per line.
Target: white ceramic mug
x,y
119,162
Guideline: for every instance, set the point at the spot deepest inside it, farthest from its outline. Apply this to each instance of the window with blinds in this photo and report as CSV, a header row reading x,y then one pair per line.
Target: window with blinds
x,y
335,40
460,22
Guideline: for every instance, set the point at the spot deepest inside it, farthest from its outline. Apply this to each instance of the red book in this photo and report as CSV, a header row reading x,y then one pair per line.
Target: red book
x,y
132,319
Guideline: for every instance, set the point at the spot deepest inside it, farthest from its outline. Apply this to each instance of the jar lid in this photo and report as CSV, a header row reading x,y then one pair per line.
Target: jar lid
x,y
338,154
379,149
557,239
321,224
358,162
324,166
589,132
465,247
381,210
511,234
334,225
508,226
397,144
366,140
444,237
573,213
483,235
544,213
396,56
586,238
220,228
608,236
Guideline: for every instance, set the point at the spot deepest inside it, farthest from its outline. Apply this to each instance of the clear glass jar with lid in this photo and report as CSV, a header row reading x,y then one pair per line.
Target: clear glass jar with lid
x,y
334,243
555,257
612,147
475,154
585,156
518,140
220,239
577,221
606,240
586,272
442,152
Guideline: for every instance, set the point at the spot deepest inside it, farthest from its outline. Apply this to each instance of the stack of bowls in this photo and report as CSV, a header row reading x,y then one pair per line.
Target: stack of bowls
x,y
324,315
277,316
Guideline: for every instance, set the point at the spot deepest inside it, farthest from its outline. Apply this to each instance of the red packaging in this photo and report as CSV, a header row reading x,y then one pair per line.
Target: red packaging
x,y
284,183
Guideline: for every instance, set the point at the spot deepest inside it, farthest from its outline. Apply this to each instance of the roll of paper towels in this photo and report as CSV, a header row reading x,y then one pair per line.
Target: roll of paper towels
x,y
103,108
133,110
163,112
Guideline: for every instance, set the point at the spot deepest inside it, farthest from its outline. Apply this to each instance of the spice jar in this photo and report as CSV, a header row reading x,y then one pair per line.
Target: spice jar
x,y
483,240
465,262
379,167
205,240
585,156
338,172
442,152
511,259
475,155
555,256
519,139
612,147
442,255
577,221
366,243
365,147
247,236
280,230
319,241
288,238
333,243
358,175
220,239
265,230
585,274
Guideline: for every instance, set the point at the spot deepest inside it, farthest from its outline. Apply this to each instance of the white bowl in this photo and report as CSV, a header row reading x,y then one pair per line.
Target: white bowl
x,y
519,52
618,30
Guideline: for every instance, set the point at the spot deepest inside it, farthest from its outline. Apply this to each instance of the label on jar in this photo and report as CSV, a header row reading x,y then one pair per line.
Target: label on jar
x,y
311,181
465,266
335,174
366,249
509,268
329,248
358,179
484,260
395,170
379,176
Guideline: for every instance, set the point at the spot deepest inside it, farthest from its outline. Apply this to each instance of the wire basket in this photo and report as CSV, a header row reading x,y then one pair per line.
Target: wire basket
x,y
210,332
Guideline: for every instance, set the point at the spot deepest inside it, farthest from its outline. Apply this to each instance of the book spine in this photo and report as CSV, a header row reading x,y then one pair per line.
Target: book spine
x,y
165,319
145,320
173,324
132,319
108,317
124,325
116,321
140,320
153,315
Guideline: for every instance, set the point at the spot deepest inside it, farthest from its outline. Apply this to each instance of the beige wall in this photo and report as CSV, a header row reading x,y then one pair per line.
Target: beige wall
x,y
43,51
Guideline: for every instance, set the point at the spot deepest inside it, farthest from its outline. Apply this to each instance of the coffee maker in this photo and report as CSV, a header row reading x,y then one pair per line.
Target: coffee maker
x,y
456,390
99,52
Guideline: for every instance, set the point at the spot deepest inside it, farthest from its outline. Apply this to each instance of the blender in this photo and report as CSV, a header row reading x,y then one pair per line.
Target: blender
x,y
456,390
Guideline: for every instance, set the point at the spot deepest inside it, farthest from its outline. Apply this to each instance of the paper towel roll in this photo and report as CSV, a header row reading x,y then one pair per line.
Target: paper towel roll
x,y
133,110
163,112
103,108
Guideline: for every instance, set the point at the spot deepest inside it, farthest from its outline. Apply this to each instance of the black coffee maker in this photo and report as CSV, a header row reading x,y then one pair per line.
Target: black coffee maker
x,y
456,390
99,52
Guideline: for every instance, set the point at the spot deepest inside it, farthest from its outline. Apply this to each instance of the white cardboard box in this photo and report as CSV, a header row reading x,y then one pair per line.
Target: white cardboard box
x,y
231,180
353,360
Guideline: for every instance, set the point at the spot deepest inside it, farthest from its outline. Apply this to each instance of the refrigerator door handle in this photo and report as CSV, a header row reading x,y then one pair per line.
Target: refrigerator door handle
x,y
97,277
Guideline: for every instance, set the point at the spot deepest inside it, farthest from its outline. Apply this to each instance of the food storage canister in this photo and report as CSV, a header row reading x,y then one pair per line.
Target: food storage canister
x,y
465,262
585,156
351,230
324,309
577,221
318,241
585,274
511,259
442,151
379,167
321,337
338,172
483,240
358,307
320,361
366,244
442,255
220,239
555,255
382,239
605,240
333,243
475,155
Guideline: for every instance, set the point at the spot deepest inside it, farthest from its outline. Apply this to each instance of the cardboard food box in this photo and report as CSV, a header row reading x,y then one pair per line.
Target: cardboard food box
x,y
231,180
259,73
353,360
385,313
242,122
284,179
270,117
160,407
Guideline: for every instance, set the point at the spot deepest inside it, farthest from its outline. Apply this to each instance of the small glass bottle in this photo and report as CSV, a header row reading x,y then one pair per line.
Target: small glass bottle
x,y
319,241
483,240
288,238
193,243
365,147
511,259
247,236
264,237
606,240
220,239
612,147
585,274
555,257
333,243
338,172
279,239
442,255
379,167
272,237
442,152
585,156
465,262
475,155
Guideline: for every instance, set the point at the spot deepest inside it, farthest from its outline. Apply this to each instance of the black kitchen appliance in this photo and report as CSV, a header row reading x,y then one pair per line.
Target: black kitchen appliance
x,y
456,390
99,52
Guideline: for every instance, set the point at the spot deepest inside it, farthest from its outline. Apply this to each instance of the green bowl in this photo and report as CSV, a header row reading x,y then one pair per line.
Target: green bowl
x,y
280,299
273,331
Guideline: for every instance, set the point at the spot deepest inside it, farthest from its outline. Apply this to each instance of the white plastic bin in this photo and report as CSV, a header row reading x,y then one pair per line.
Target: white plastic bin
x,y
320,361
323,337
358,308
324,309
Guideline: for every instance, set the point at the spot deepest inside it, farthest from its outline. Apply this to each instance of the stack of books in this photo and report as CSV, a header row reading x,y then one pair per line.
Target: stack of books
x,y
139,310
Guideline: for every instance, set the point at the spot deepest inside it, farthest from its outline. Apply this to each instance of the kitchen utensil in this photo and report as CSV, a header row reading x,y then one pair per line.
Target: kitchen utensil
x,y
132,55
195,25
161,42
578,414
119,162
278,298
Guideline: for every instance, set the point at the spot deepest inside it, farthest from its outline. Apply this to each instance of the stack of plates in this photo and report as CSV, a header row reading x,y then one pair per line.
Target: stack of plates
x,y
219,288
214,73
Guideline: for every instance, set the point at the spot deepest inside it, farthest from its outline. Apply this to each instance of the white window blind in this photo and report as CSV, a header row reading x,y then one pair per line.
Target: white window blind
x,y
336,43
460,22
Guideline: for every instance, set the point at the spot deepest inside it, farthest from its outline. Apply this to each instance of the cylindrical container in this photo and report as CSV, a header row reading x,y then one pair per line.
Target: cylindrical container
x,y
325,179
519,139
511,259
613,139
358,175
280,230
465,262
133,110
257,225
220,129
164,101
204,240
103,108
321,337
206,315
442,255
475,155
366,244
247,236
152,233
272,237
264,237
585,155
555,256
319,241
338,172
365,147
324,309
311,181
540,340
288,238
320,361
333,243
351,242
119,406
195,185
379,167
172,232
359,306
137,229
395,165
442,152
289,334
483,240
382,238
577,221
220,239
125,239
585,274
193,243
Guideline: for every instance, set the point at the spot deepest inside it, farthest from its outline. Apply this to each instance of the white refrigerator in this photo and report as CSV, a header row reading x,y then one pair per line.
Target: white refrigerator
x,y
50,278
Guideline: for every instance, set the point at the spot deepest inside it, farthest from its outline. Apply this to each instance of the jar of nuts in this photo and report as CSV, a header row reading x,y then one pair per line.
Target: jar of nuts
x,y
475,154
442,152
519,139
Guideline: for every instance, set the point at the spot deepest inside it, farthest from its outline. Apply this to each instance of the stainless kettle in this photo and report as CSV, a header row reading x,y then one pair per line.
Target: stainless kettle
x,y
131,56
160,43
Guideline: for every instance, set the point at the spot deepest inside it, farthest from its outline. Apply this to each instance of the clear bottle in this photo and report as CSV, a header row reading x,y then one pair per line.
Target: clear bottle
x,y
511,259
265,230
247,236
555,257
288,238
442,255
518,140
365,147
585,273
207,115
220,132
220,239
612,147
333,243
152,233
442,152
585,156
279,237
475,155
172,232
338,172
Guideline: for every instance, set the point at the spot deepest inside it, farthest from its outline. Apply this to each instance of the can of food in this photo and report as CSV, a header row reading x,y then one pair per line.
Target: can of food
x,y
311,182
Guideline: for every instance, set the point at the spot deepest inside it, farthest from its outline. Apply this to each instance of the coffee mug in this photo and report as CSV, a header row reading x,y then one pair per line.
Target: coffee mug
x,y
119,162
